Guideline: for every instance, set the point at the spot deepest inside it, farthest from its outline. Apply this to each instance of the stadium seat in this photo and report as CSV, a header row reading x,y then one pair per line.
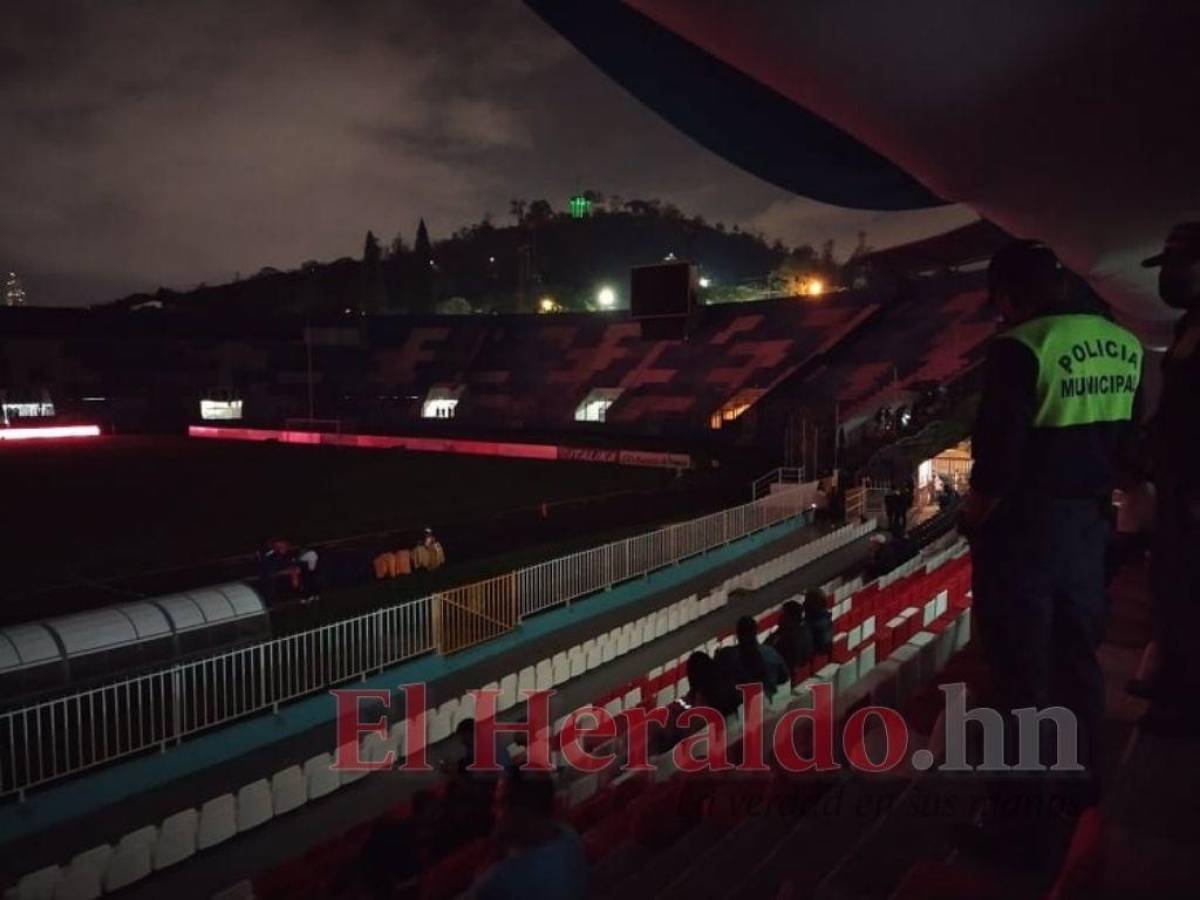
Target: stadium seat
x,y
465,710
661,623
322,778
544,675
81,881
526,681
39,885
608,648
593,654
218,821
440,721
622,641
254,804
176,839
665,695
578,661
129,864
635,634
289,790
508,693
560,669
351,775
673,617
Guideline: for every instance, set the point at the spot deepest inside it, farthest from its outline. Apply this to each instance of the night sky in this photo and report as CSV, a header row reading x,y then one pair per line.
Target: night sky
x,y
172,142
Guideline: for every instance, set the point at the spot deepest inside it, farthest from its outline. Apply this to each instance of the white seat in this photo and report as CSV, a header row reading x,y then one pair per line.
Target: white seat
x,y
632,697
673,619
351,775
593,653
526,681
560,669
176,839
321,776
544,675
129,864
437,724
39,885
218,821
612,707
635,634
661,620
97,857
466,709
665,695
142,837
622,642
608,649
81,882
289,790
254,805
420,738
577,660
508,693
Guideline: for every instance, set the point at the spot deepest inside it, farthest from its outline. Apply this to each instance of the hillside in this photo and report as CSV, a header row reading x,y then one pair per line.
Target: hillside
x,y
511,268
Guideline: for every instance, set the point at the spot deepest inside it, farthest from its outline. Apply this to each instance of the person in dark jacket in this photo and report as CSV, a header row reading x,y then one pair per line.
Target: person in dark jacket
x,y
792,639
819,620
708,685
752,663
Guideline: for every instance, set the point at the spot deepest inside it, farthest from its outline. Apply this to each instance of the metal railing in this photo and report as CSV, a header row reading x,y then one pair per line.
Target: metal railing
x,y
781,475
59,737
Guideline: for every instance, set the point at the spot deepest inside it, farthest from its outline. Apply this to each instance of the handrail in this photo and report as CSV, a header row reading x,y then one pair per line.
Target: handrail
x,y
54,738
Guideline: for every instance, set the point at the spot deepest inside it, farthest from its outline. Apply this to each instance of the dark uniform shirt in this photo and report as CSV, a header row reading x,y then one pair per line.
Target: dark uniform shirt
x,y
1012,456
1176,426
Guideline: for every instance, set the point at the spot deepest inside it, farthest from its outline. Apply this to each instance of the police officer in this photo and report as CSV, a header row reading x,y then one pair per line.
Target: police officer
x,y
1175,449
1058,401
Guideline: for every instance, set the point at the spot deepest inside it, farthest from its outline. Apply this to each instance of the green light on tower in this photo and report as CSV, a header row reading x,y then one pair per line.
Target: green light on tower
x,y
581,207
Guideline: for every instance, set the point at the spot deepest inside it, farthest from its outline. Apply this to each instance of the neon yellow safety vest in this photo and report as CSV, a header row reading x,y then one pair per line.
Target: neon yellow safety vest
x,y
1088,369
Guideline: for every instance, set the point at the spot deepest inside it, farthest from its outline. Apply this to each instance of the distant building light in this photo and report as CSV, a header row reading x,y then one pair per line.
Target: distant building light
x,y
491,259
220,409
48,431
94,399
669,257
704,282
594,407
440,403
42,409
580,206
606,297
548,305
816,287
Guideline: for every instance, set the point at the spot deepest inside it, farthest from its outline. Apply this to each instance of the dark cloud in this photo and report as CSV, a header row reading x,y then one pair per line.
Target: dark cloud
x,y
172,142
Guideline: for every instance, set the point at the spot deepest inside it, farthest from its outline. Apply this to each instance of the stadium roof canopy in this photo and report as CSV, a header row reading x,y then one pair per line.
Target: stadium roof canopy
x,y
1070,121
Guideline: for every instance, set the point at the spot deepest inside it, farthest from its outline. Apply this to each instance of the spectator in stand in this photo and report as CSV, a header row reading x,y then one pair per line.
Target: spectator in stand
x,y
538,856
792,639
708,685
752,663
306,560
819,620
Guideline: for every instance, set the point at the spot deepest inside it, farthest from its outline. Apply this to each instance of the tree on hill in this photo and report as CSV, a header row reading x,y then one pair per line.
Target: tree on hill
x,y
374,292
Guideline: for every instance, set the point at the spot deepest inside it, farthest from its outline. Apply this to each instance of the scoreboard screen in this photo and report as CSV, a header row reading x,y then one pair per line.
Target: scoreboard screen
x,y
663,290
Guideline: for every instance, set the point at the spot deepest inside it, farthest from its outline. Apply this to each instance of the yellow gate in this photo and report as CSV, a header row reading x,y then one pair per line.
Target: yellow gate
x,y
468,615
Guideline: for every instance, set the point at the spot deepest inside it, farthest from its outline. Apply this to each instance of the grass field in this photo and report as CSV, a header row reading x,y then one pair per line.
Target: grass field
x,y
76,514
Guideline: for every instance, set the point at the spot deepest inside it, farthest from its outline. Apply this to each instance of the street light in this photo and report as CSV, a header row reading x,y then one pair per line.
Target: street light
x,y
606,297
816,287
